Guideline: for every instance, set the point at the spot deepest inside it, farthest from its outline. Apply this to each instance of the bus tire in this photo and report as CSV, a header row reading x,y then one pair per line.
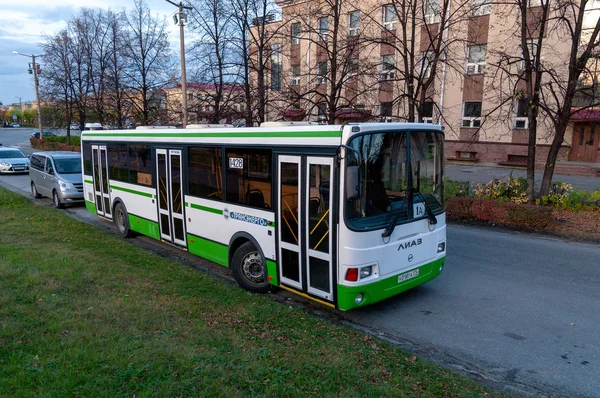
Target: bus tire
x,y
122,220
249,269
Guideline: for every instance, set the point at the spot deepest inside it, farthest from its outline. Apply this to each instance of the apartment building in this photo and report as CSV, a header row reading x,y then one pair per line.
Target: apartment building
x,y
453,63
202,103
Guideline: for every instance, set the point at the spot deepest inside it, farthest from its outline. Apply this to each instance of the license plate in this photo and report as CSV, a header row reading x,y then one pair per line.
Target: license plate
x,y
408,275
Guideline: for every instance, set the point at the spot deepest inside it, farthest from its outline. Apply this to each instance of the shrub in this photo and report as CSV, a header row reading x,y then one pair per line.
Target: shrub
x,y
520,216
55,144
456,188
509,189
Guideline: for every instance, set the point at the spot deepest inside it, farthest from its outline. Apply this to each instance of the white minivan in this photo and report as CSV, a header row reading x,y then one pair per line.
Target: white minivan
x,y
57,175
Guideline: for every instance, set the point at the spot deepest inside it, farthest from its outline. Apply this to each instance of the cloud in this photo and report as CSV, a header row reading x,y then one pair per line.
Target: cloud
x,y
23,26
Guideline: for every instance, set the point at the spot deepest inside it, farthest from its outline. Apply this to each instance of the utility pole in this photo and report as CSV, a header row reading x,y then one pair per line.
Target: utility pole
x,y
35,71
179,18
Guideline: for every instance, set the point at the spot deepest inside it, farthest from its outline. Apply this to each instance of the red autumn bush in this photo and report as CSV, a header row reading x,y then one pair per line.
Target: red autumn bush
x,y
478,210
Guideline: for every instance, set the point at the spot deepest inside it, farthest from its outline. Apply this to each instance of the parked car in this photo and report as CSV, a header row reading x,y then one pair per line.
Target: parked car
x,y
74,126
46,134
57,175
16,125
13,160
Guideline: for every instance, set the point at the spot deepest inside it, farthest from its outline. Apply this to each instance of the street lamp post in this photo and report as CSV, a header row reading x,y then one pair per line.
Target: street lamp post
x,y
179,18
37,91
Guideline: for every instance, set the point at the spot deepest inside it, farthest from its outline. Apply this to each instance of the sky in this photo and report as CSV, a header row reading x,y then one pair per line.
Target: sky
x,y
24,23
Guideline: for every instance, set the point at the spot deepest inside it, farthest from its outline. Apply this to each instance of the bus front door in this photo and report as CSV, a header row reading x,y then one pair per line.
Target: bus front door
x,y
304,221
101,188
170,196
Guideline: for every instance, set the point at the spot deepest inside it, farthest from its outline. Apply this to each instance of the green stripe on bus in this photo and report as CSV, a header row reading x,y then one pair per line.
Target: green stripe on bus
x,y
91,206
204,208
213,251
143,226
89,181
234,134
272,272
147,195
271,224
385,288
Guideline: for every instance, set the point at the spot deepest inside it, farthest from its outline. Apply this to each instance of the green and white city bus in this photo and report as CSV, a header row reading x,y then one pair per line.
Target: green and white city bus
x,y
344,215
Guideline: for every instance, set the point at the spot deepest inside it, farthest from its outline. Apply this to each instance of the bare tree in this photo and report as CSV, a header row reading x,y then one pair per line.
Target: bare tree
x,y
58,67
147,61
562,86
116,66
212,21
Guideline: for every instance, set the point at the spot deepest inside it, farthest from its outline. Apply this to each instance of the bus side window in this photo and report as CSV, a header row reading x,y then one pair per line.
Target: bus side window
x,y
249,177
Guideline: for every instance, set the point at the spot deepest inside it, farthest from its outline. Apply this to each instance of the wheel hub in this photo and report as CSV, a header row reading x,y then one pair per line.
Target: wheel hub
x,y
253,268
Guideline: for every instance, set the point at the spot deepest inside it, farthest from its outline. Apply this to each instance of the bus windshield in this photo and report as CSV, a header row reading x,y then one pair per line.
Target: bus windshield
x,y
398,176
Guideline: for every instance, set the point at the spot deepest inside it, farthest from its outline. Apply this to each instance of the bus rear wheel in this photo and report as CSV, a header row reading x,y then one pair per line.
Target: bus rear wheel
x,y
122,220
249,269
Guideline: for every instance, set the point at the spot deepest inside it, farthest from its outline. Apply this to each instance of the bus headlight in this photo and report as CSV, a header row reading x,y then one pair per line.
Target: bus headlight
x,y
365,272
441,247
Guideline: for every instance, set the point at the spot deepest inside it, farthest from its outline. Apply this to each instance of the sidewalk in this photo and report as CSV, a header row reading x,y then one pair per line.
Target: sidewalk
x,y
481,174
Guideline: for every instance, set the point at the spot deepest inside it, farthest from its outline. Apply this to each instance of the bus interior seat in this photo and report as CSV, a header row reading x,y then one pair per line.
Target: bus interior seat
x,y
256,198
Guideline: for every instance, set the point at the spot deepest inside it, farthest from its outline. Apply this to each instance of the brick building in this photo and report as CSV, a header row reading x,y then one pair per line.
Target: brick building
x,y
346,61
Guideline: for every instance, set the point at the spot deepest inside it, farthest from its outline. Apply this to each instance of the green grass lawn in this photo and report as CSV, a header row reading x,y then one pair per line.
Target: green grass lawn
x,y
85,313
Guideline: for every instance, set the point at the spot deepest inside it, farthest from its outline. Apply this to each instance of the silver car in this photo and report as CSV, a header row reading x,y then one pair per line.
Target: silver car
x,y
13,160
57,175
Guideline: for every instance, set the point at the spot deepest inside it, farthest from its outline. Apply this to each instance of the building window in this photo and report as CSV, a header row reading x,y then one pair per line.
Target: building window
x,y
389,17
321,73
205,173
295,33
388,67
385,111
276,67
480,7
323,28
532,46
354,23
425,64
476,59
351,68
295,75
321,107
427,112
117,162
471,114
249,177
432,11
521,119
140,164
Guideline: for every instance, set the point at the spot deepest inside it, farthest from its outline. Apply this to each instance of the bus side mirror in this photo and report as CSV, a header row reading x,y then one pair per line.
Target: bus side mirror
x,y
352,182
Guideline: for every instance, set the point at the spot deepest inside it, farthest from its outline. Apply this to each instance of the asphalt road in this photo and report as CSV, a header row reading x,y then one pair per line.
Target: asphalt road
x,y
517,311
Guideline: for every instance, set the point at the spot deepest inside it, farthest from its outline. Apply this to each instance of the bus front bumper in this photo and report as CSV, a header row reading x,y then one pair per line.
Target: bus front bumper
x,y
386,288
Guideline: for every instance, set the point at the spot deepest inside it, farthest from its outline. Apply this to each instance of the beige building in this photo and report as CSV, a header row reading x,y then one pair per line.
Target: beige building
x,y
361,65
202,106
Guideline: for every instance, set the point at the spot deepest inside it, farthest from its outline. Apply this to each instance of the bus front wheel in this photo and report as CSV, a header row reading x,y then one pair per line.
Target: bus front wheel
x,y
122,220
249,270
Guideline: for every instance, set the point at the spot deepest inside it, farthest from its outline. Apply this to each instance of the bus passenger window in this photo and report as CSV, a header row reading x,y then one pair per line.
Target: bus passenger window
x,y
204,173
117,162
140,164
249,177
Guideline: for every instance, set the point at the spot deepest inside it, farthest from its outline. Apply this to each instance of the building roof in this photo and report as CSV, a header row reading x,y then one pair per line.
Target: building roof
x,y
208,87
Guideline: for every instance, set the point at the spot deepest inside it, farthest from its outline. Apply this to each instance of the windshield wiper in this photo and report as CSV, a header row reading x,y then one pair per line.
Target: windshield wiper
x,y
390,228
430,215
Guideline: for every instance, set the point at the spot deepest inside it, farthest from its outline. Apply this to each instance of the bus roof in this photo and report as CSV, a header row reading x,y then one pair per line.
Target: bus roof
x,y
319,135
